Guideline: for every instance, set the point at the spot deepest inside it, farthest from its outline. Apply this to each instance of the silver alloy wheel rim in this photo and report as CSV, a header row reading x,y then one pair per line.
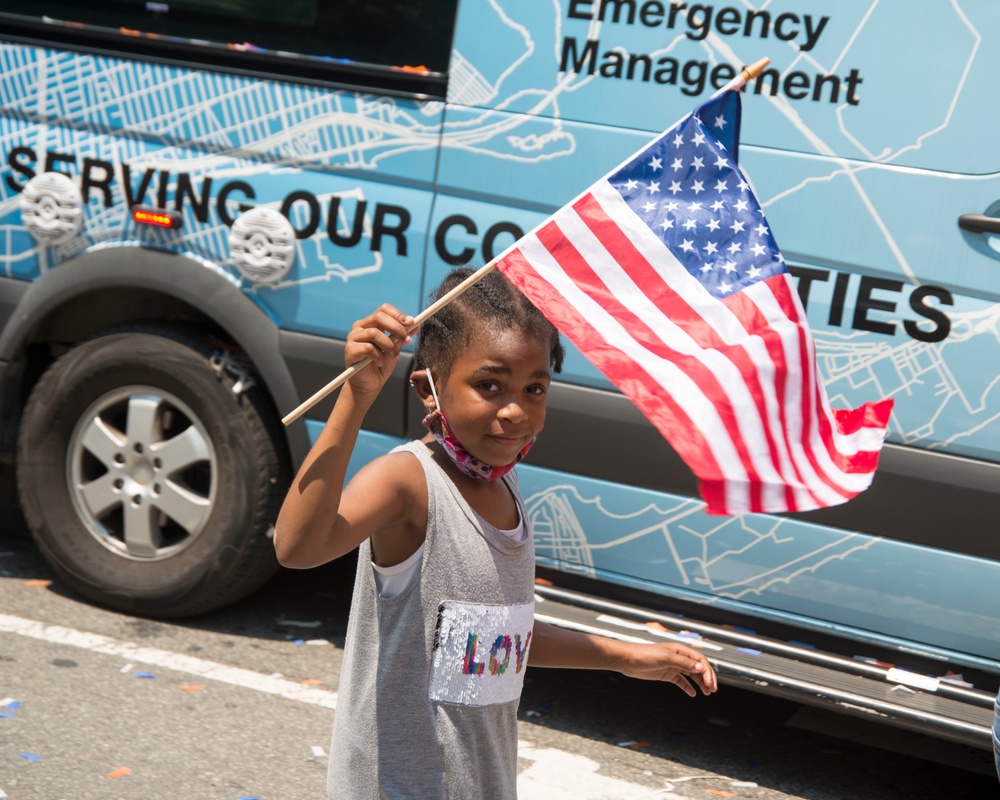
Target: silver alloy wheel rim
x,y
142,473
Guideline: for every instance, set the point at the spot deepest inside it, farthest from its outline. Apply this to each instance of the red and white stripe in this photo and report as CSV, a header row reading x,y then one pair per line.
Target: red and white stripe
x,y
731,384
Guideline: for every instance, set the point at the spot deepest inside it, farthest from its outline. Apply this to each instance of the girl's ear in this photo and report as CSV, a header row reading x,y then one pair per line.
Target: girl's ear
x,y
422,386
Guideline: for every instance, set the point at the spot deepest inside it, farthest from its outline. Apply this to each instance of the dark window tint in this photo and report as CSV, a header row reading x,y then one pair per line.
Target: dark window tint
x,y
386,33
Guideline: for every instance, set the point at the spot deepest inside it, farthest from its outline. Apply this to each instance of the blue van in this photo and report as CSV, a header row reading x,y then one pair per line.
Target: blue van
x,y
197,199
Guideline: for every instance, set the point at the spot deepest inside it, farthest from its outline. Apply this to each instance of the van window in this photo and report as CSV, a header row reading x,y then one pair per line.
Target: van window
x,y
413,34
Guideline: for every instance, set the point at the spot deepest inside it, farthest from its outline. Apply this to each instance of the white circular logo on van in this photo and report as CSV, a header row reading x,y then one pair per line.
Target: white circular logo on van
x,y
52,208
262,243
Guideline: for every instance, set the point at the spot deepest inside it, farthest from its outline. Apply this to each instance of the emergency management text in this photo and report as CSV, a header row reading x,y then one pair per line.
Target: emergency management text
x,y
698,21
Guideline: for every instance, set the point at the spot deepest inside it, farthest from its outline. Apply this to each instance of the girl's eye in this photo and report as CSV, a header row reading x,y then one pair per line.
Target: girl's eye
x,y
537,389
489,386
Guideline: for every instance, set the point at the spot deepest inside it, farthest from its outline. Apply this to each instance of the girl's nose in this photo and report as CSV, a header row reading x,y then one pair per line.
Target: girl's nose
x,y
513,411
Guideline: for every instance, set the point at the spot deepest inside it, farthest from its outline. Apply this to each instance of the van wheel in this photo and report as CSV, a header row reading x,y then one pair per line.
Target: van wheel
x,y
150,473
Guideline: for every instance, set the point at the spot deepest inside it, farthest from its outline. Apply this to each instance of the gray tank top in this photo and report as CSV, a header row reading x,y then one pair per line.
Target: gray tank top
x,y
432,677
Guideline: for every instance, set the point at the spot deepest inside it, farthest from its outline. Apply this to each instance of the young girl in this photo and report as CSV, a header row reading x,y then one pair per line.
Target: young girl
x,y
442,615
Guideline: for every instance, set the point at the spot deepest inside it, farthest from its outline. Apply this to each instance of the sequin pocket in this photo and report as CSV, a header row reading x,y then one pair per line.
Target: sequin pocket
x,y
480,653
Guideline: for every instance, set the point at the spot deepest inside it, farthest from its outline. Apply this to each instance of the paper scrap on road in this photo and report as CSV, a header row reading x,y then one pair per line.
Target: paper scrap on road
x,y
298,623
118,773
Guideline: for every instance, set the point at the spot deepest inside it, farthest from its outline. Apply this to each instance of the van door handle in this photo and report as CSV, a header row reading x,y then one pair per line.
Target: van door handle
x,y
979,223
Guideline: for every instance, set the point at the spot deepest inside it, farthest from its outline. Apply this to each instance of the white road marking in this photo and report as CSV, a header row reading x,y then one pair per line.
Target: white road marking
x,y
553,774
235,676
556,774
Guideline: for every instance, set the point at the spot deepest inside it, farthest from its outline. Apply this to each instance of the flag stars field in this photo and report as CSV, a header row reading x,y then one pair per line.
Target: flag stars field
x,y
731,210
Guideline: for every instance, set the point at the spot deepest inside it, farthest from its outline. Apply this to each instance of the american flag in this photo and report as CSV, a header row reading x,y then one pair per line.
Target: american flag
x,y
666,275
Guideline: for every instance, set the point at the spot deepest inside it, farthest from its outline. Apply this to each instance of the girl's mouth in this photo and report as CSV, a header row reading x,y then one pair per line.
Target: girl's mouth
x,y
507,441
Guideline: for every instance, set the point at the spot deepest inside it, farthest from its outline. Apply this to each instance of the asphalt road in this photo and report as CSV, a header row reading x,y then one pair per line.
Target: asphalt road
x,y
96,705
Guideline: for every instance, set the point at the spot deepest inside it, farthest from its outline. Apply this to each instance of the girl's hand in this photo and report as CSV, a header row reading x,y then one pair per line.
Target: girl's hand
x,y
669,662
370,338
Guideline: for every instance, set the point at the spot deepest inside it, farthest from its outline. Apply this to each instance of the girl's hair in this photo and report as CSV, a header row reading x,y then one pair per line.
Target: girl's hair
x,y
493,299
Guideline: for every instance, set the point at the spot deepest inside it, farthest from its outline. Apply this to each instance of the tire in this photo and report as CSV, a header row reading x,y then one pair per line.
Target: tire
x,y
150,474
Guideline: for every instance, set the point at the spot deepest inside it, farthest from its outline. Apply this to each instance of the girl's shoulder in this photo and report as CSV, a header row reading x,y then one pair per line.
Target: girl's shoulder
x,y
400,467
394,480
387,499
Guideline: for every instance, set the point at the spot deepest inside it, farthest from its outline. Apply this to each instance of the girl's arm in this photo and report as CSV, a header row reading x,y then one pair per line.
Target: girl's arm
x,y
312,526
552,646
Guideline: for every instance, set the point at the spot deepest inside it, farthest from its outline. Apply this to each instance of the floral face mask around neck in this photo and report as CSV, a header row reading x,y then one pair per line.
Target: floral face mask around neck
x,y
467,463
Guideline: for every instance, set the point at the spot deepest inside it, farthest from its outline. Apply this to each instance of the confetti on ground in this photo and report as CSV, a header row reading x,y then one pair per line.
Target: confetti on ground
x,y
533,714
193,687
543,581
144,675
748,650
10,702
297,641
300,623
689,635
2,794
317,642
312,682
37,582
656,626
126,668
118,773
719,792
744,784
318,751
32,757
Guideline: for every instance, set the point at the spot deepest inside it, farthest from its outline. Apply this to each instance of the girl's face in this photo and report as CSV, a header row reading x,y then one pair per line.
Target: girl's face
x,y
494,397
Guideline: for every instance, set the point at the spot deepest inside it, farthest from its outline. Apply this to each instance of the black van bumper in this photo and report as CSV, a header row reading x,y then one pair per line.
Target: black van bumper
x,y
875,691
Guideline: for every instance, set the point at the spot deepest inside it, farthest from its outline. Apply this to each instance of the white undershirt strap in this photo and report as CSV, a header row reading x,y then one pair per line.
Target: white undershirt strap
x,y
392,580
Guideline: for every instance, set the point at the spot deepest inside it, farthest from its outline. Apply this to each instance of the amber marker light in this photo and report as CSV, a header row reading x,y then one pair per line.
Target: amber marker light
x,y
156,217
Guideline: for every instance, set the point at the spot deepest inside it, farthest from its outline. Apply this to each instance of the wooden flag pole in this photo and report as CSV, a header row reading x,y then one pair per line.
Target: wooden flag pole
x,y
428,312
746,75
751,72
